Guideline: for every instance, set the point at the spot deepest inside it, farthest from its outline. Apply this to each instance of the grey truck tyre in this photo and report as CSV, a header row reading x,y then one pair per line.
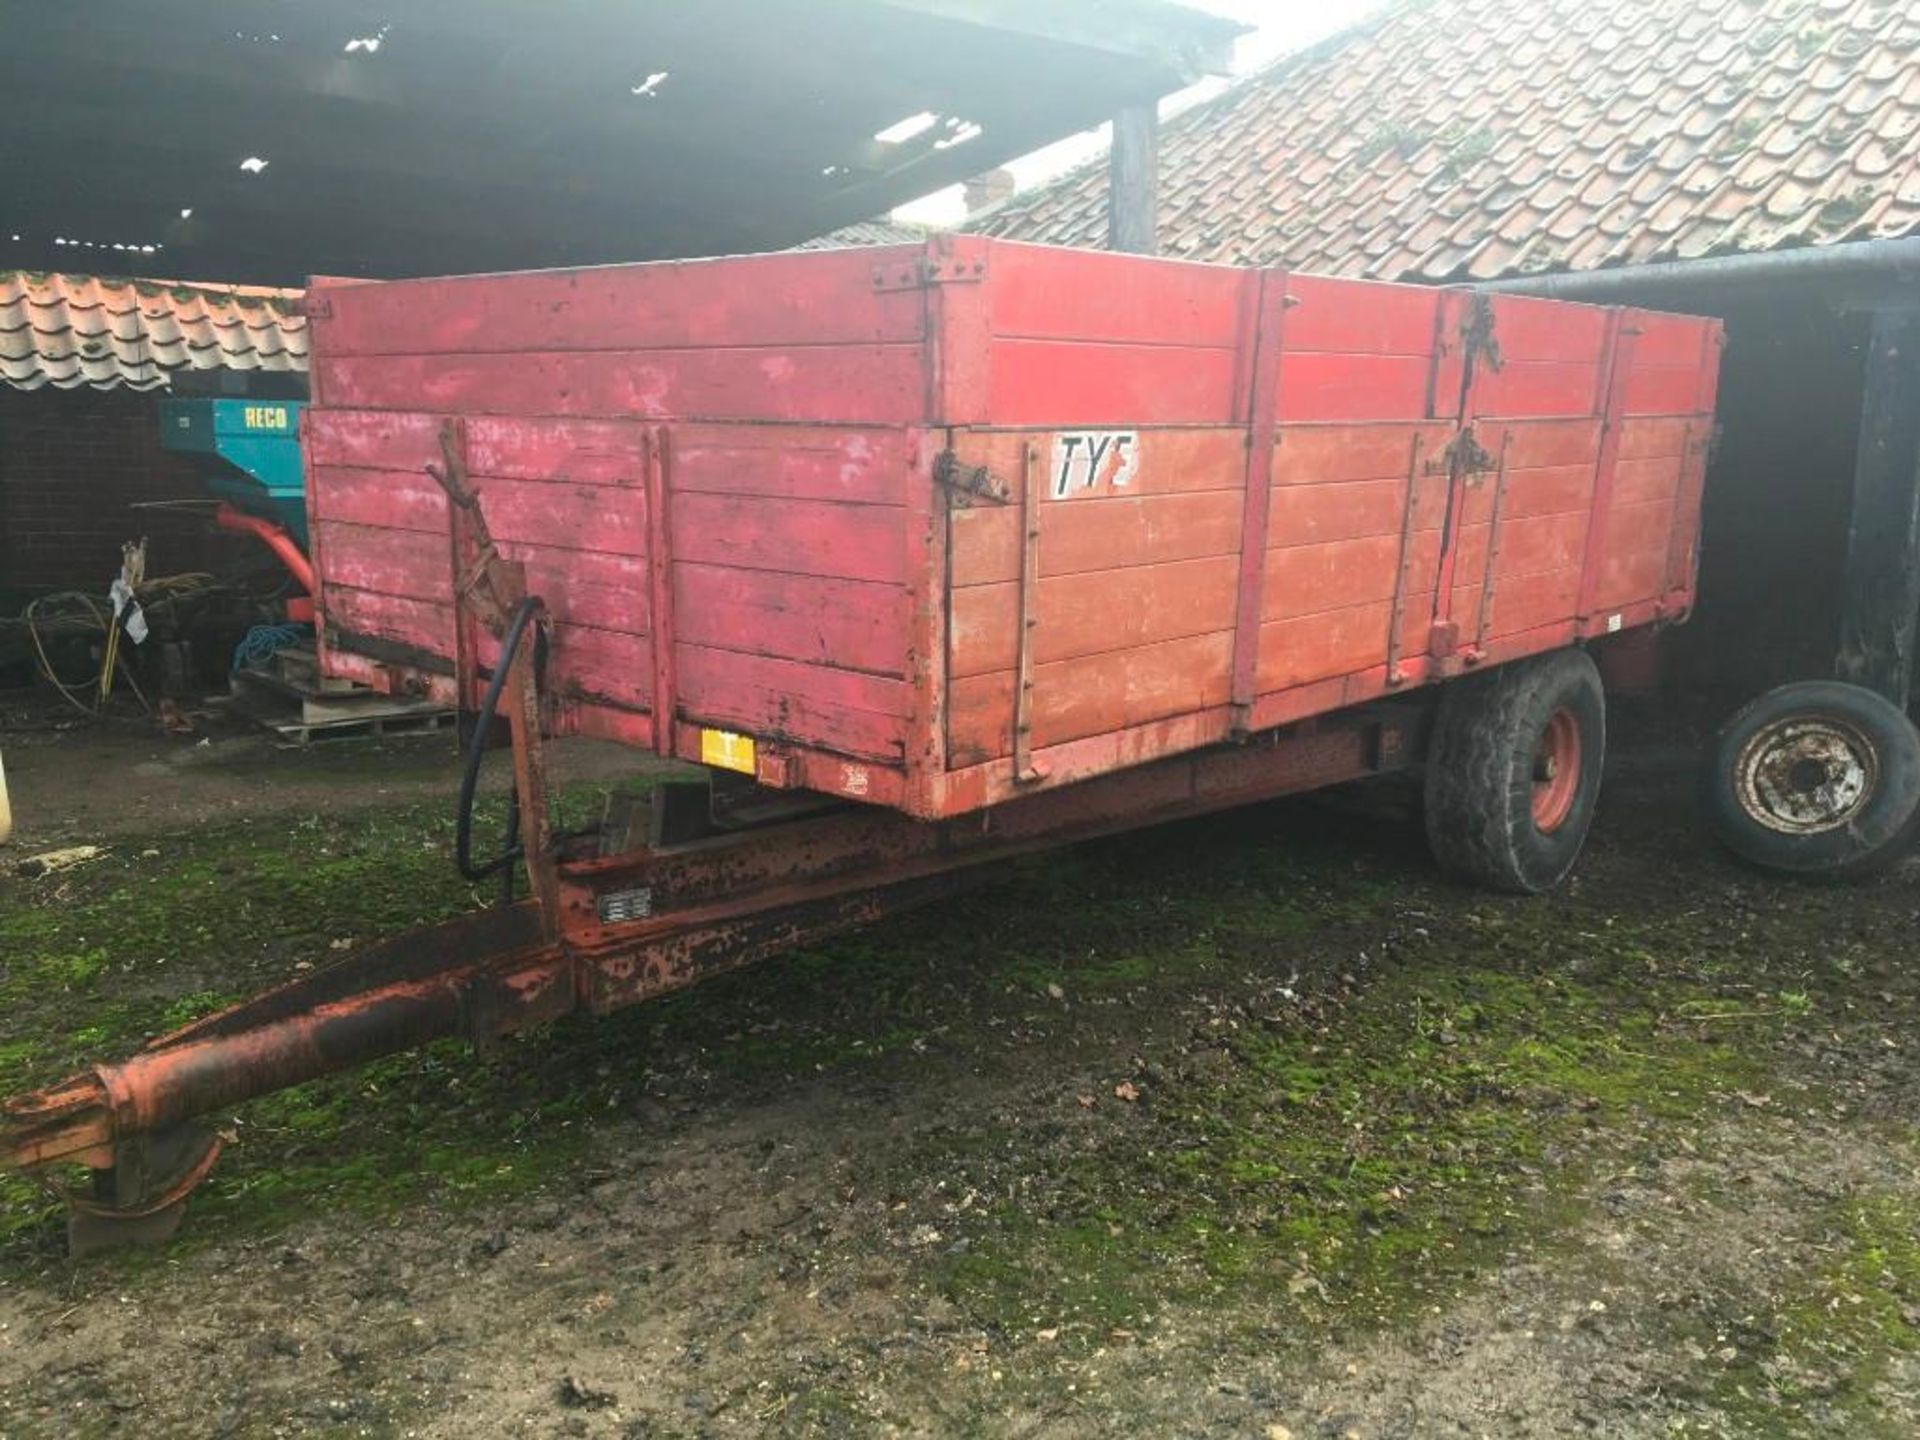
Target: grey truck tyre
x,y
1513,771
1818,779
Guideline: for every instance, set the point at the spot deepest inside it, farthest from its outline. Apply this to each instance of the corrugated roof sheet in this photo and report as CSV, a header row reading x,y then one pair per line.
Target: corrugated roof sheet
x,y
1474,139
73,330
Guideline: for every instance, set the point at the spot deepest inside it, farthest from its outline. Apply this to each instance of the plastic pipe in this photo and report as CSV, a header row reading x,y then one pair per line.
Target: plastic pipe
x,y
273,537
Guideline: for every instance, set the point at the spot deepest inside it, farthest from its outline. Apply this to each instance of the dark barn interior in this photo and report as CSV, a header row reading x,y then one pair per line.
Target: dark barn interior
x,y
1809,525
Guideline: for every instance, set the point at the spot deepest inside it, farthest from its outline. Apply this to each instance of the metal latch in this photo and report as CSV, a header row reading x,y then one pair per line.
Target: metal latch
x,y
1466,456
968,480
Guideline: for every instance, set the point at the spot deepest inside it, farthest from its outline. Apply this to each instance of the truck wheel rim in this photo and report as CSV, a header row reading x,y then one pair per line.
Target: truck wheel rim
x,y
1806,775
1556,771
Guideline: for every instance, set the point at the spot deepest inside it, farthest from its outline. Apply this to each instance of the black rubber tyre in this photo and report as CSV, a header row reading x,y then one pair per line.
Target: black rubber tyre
x,y
1513,771
1818,779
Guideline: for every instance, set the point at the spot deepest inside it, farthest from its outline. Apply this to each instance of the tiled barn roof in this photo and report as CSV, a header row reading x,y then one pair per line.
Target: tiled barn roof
x,y
1475,139
73,330
867,232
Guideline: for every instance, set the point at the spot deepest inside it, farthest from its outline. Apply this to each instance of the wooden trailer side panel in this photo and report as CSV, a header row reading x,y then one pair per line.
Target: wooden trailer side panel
x,y
790,574
1084,338
793,580
786,554
567,498
1650,531
1442,493
1133,588
1138,567
1183,502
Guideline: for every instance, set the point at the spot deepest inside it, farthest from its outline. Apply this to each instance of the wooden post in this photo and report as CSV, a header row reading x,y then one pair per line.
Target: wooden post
x,y
1882,597
1133,181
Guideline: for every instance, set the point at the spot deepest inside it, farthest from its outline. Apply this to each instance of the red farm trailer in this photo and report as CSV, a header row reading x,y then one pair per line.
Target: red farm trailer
x,y
933,555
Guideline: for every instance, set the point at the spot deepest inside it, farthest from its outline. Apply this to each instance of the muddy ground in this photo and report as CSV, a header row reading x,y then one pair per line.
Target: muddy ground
x,y
1250,1127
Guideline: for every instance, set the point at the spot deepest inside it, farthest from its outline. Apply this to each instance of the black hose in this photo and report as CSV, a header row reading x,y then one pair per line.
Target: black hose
x,y
477,749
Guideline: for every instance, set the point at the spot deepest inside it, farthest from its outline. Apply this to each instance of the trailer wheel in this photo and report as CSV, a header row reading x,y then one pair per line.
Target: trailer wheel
x,y
1818,778
1513,770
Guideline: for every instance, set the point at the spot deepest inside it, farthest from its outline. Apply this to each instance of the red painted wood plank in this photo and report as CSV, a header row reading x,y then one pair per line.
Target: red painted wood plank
x,y
1319,514
985,548
851,624
370,439
395,499
817,298
425,625
1669,340
598,452
1097,534
1089,695
1547,490
1528,544
1326,386
594,666
1361,317
1654,479
1091,613
837,710
797,537
1648,437
1523,602
1527,328
585,663
990,783
1318,454
1042,292
1314,579
605,518
793,462
1631,575
1664,390
1538,444
1521,388
582,586
1051,382
1306,648
859,384
1167,460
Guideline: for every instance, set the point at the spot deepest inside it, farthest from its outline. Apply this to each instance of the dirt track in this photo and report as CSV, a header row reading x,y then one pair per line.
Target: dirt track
x,y
1249,1127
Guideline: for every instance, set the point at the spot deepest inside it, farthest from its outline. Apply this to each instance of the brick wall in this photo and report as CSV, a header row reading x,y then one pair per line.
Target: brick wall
x,y
72,464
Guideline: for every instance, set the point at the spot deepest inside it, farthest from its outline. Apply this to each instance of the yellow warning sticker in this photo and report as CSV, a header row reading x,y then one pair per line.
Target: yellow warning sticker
x,y
725,750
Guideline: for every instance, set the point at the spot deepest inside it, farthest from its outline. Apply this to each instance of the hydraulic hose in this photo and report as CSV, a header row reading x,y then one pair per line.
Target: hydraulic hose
x,y
476,751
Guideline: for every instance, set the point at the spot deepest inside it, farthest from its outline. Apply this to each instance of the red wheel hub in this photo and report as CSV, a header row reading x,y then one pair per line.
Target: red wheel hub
x,y
1556,771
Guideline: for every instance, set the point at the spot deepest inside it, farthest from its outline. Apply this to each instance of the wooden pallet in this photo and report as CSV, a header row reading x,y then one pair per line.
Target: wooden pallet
x,y
400,721
298,705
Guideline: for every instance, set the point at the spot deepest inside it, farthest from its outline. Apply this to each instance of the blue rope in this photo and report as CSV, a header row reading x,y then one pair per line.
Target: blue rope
x,y
260,643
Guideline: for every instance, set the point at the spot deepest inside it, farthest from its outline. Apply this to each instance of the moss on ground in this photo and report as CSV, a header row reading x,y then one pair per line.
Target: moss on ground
x,y
1352,1089
156,933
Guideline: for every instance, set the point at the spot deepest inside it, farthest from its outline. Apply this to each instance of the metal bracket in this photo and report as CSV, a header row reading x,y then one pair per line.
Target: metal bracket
x,y
920,273
1694,449
1465,455
1396,614
968,481
1477,340
1024,769
1477,650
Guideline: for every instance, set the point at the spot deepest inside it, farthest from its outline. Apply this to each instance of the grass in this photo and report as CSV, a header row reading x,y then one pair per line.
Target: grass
x,y
1354,1089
